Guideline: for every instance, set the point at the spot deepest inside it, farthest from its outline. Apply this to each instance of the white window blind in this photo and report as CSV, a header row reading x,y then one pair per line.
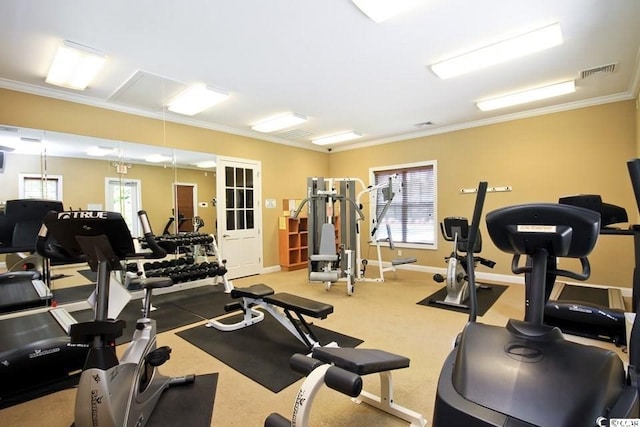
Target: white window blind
x,y
34,186
411,215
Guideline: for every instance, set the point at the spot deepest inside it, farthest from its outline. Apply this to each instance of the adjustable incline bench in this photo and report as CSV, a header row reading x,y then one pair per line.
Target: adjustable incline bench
x,y
341,369
294,308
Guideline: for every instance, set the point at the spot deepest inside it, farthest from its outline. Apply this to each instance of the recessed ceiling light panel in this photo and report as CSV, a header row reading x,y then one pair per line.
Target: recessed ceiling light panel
x,y
195,99
528,96
333,139
279,122
157,158
75,66
515,47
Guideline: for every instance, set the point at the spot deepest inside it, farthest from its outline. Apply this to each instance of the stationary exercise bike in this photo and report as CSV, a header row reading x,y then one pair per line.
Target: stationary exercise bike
x,y
112,393
456,229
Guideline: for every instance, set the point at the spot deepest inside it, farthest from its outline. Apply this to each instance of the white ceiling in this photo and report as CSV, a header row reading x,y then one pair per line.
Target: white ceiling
x,y
324,59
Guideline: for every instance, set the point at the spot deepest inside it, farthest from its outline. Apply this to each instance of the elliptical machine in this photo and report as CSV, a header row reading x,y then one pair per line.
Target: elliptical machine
x,y
112,393
456,229
526,374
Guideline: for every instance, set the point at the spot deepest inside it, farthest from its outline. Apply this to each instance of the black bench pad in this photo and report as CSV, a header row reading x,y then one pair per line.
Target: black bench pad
x,y
254,291
361,361
301,305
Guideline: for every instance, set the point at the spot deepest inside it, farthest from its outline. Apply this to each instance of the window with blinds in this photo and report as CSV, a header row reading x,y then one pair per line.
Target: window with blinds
x,y
35,186
410,217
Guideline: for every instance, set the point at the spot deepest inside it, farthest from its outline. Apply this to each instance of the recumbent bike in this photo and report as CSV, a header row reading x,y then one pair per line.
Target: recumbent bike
x,y
112,393
456,229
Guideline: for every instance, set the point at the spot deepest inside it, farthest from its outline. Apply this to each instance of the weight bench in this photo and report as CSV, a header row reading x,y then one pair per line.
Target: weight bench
x,y
286,308
341,369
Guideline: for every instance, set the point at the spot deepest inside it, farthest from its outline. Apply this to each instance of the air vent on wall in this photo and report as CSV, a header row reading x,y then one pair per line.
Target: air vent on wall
x,y
609,68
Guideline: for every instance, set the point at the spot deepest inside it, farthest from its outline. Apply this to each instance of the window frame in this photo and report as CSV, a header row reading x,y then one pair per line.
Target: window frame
x,y
24,176
433,164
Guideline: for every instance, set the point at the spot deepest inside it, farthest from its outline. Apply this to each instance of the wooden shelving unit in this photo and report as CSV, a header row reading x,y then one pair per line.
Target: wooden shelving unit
x,y
293,236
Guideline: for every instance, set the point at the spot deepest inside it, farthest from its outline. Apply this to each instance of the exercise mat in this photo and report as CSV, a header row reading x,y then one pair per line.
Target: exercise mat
x,y
262,351
486,298
186,405
72,293
173,310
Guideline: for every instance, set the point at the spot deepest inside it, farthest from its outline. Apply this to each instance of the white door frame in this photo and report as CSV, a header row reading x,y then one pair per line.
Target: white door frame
x,y
135,225
223,233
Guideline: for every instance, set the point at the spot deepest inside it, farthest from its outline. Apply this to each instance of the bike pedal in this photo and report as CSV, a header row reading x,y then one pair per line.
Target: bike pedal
x,y
158,356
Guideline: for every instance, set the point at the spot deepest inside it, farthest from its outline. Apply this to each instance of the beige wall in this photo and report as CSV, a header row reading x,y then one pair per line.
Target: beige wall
x,y
542,158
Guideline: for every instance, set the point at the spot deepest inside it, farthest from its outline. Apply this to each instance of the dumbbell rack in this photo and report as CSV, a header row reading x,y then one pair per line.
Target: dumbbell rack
x,y
185,264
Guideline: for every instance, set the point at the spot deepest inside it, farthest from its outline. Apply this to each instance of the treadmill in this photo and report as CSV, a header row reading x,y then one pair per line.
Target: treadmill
x,y
19,226
21,290
36,357
597,312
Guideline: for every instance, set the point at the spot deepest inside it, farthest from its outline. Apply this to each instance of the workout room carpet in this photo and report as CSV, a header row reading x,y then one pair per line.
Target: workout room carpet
x,y
173,310
486,298
189,405
262,351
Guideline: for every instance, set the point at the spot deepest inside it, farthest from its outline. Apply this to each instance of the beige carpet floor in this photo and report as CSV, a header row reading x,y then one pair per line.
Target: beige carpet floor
x,y
385,315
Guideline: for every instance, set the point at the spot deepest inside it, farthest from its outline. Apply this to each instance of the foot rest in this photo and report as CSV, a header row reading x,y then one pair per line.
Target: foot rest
x,y
254,291
361,361
301,305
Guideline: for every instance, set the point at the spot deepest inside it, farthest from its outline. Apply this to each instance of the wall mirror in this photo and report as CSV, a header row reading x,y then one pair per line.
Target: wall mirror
x,y
86,173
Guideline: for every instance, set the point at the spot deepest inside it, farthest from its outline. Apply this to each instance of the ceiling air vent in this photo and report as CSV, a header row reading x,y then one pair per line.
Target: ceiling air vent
x,y
609,68
294,134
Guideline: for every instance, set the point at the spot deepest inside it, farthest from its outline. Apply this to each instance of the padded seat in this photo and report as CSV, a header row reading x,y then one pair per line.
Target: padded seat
x,y
257,291
361,361
301,305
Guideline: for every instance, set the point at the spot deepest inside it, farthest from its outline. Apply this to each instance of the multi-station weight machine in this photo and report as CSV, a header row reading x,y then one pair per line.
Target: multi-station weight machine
x,y
333,233
334,217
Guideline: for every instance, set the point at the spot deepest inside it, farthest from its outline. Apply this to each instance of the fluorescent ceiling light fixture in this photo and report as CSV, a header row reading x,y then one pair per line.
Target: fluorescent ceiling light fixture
x,y
528,96
75,66
196,98
206,164
381,10
280,122
157,158
524,44
341,137
8,142
100,151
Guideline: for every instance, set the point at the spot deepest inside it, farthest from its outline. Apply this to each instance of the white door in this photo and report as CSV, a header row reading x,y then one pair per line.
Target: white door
x,y
239,188
123,195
